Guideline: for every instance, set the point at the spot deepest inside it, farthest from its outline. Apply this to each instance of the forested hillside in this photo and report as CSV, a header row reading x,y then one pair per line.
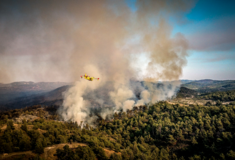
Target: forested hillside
x,y
160,131
21,94
185,92
222,96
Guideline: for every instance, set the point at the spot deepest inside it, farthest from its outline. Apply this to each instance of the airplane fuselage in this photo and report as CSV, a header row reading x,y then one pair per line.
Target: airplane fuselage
x,y
89,78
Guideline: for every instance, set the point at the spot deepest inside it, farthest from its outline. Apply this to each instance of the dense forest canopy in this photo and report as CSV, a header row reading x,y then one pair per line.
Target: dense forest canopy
x,y
222,96
158,131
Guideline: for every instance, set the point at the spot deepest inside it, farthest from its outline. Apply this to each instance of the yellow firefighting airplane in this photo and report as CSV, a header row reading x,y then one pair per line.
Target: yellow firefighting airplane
x,y
89,78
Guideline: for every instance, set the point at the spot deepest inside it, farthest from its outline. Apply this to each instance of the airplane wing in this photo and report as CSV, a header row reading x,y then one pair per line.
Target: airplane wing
x,y
89,78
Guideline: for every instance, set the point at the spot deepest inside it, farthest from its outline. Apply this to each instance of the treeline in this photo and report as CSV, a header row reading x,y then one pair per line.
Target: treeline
x,y
17,112
167,131
186,92
23,139
160,131
36,110
222,96
46,133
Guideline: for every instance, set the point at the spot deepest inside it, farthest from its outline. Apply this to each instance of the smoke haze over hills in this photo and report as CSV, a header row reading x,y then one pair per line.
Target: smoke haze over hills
x,y
60,40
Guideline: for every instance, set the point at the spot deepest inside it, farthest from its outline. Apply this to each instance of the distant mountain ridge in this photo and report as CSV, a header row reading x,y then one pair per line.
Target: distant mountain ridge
x,y
50,93
30,86
21,90
185,81
208,85
53,97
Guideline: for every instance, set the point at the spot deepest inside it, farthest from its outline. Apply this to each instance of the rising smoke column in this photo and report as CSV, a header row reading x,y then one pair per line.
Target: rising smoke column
x,y
167,54
96,37
75,107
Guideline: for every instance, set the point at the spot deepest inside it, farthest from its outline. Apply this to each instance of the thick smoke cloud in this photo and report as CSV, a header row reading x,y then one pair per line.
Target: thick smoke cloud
x,y
61,40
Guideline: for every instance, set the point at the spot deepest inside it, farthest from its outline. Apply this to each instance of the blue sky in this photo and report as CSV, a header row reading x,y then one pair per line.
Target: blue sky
x,y
212,22
210,30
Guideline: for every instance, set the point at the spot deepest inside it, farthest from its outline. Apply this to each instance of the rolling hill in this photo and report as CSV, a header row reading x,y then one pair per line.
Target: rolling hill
x,y
53,97
18,92
185,92
21,94
208,85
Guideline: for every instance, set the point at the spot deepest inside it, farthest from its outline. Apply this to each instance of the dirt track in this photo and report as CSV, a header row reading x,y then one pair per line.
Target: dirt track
x,y
10,155
50,151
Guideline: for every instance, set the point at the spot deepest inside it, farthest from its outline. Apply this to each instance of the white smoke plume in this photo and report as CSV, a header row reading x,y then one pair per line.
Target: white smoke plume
x,y
75,108
120,96
162,91
128,104
62,40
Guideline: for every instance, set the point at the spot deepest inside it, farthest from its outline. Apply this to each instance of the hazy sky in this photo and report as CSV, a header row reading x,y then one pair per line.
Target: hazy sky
x,y
32,50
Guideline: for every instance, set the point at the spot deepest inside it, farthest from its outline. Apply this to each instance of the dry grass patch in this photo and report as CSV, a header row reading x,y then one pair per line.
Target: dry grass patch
x,y
41,131
30,127
18,155
17,126
109,152
50,151
4,127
